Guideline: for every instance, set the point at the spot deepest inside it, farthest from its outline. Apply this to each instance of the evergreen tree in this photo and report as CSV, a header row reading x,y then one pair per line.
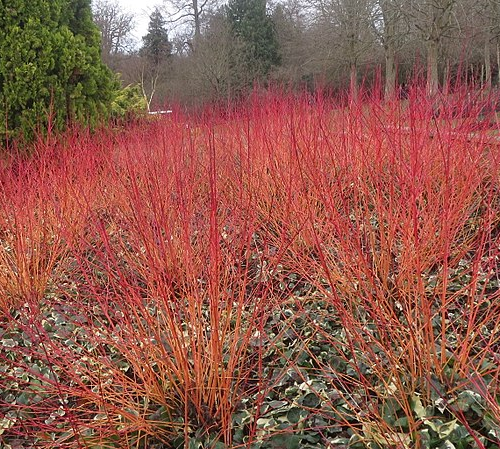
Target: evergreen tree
x,y
254,28
91,85
155,50
156,46
50,67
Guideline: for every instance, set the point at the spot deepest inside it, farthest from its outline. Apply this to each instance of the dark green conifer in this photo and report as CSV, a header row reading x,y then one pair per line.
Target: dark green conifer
x,y
50,67
156,46
255,29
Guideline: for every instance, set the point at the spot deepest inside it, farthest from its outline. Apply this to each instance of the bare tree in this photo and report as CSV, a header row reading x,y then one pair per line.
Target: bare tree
x,y
487,25
434,19
115,26
212,61
290,22
189,12
391,27
350,22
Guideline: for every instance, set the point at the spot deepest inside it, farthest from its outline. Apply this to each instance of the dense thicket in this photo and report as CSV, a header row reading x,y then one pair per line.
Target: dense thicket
x,y
50,67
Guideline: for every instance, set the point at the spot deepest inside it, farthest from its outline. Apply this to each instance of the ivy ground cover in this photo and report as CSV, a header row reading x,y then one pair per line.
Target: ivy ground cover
x,y
292,275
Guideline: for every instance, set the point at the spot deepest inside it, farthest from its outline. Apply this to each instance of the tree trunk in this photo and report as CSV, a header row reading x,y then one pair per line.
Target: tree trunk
x,y
197,22
487,63
353,82
498,64
390,73
391,34
446,78
432,67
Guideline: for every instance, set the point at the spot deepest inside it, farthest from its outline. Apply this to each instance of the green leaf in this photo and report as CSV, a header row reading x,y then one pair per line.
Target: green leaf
x,y
295,414
417,407
446,428
6,423
390,409
469,399
310,400
162,414
277,404
337,442
356,442
284,441
437,389
194,443
401,422
424,438
241,417
443,430
218,445
312,437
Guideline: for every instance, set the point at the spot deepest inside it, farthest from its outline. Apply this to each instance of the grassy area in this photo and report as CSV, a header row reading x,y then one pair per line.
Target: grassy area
x,y
291,275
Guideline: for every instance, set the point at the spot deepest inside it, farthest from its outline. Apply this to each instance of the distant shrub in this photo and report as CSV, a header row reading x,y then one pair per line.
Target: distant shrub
x,y
129,101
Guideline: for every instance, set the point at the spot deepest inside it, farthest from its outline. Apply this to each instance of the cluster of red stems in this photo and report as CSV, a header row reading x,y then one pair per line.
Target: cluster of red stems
x,y
138,265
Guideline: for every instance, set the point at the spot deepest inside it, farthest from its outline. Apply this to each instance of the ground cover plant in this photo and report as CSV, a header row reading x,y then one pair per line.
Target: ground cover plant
x,y
293,274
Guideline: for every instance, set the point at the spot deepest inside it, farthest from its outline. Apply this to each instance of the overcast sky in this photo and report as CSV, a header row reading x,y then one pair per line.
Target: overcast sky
x,y
141,10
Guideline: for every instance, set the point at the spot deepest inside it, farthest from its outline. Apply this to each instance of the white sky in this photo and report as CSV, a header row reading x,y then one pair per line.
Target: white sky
x,y
141,9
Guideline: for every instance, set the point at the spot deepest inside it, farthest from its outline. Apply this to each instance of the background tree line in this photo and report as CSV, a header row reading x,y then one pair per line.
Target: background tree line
x,y
216,51
63,61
